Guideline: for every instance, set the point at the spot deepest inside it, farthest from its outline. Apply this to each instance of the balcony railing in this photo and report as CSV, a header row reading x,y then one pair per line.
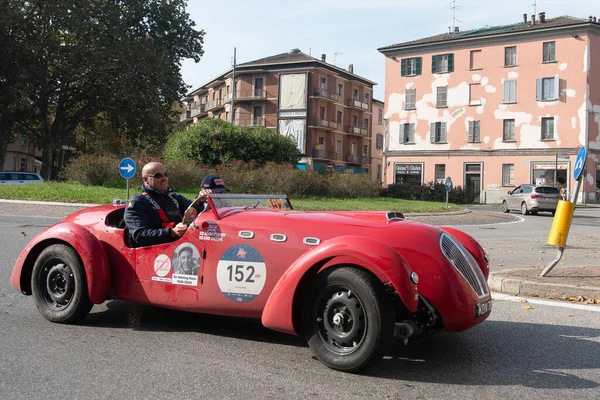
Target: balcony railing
x,y
250,94
358,104
214,104
250,122
323,123
200,108
320,154
227,98
363,159
353,158
325,94
355,130
337,156
184,115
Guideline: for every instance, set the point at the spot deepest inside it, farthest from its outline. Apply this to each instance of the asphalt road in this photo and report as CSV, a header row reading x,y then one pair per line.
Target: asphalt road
x,y
122,350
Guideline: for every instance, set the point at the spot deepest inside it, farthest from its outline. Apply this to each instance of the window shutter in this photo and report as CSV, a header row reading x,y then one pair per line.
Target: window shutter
x,y
403,67
476,134
411,133
538,89
401,134
471,132
556,87
506,94
434,64
432,131
419,62
450,62
443,132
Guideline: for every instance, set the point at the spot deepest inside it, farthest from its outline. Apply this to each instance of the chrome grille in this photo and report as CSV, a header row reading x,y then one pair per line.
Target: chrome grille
x,y
464,262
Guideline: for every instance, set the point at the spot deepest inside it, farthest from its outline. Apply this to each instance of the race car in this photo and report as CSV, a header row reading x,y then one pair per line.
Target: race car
x,y
349,282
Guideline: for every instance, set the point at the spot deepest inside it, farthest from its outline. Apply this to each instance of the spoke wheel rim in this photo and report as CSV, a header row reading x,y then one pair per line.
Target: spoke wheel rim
x,y
341,320
504,206
57,283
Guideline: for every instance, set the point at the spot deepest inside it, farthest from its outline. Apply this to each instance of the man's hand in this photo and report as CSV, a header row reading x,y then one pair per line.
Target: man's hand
x,y
179,230
204,194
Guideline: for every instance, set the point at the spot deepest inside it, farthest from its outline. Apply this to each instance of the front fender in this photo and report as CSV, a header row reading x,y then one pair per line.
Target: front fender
x,y
472,247
382,260
89,248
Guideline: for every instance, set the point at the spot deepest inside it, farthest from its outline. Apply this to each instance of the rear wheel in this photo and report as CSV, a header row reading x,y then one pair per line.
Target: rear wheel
x,y
59,285
348,319
524,209
534,212
505,207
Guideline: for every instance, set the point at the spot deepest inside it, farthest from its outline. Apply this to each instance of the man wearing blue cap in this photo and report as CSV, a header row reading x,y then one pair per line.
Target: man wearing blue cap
x,y
158,214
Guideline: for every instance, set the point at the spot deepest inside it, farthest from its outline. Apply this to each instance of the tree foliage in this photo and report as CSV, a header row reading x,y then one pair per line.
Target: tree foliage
x,y
214,141
82,58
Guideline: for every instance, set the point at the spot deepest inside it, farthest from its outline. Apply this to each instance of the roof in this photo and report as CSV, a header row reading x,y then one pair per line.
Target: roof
x,y
562,21
289,57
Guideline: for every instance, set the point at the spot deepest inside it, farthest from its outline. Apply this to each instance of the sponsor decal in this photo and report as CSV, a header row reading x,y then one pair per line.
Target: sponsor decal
x,y
241,273
162,265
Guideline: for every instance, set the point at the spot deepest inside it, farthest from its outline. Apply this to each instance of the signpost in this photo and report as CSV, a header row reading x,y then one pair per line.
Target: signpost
x,y
127,171
448,188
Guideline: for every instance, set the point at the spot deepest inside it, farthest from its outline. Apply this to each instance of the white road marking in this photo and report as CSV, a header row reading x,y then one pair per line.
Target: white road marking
x,y
517,299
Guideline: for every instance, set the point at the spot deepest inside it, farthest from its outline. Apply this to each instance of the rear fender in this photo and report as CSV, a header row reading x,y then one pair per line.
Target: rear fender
x,y
472,246
87,246
285,301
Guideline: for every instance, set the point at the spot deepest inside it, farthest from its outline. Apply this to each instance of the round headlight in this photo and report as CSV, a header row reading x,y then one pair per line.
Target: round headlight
x,y
414,277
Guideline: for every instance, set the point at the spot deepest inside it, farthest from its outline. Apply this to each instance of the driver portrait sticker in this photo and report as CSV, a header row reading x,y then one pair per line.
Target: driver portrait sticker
x,y
241,273
162,267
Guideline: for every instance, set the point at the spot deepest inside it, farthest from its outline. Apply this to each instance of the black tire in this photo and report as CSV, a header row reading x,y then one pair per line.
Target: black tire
x,y
59,285
524,209
553,212
505,208
348,319
534,212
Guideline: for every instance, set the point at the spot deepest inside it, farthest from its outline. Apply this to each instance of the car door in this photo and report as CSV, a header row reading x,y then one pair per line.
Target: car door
x,y
513,198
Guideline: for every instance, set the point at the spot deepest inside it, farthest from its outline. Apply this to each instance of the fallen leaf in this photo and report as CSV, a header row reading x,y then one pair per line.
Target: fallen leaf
x,y
499,265
591,301
523,300
570,315
23,233
528,307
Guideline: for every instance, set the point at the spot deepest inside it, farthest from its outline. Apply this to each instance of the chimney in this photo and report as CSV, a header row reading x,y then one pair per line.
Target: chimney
x,y
595,20
456,29
542,17
351,68
524,18
532,19
591,18
323,57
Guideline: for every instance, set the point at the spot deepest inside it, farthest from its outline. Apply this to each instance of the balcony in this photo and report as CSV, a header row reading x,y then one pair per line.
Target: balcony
x,y
363,159
337,156
184,116
246,95
323,124
198,109
327,155
355,130
213,105
250,122
358,104
227,98
325,94
353,158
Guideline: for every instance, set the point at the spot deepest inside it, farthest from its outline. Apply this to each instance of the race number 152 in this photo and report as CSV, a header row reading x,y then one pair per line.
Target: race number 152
x,y
241,273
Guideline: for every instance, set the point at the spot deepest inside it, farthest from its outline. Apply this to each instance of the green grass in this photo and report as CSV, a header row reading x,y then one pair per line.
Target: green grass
x,y
77,193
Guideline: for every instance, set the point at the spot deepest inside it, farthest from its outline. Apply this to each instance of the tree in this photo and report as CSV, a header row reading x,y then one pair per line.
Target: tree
x,y
118,58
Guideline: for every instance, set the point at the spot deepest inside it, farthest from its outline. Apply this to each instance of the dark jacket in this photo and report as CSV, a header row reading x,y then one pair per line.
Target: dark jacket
x,y
143,220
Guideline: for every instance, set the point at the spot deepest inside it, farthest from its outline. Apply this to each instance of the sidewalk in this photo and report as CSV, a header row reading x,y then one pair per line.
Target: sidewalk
x,y
564,283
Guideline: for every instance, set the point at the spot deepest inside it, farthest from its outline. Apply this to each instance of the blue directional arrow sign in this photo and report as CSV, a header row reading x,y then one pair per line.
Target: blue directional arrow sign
x,y
127,168
579,162
448,184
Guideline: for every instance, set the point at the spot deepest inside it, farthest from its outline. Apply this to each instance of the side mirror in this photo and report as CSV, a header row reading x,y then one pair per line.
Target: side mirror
x,y
509,192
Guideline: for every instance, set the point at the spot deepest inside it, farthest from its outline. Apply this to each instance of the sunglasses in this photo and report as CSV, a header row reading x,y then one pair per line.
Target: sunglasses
x,y
156,175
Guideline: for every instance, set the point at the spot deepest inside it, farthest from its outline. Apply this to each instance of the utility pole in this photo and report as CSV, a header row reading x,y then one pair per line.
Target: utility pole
x,y
232,114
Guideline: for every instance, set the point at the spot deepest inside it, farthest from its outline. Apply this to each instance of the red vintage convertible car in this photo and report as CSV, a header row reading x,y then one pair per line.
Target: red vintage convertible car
x,y
350,282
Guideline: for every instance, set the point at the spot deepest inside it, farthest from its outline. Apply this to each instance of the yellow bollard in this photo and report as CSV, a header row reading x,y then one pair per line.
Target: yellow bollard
x,y
561,223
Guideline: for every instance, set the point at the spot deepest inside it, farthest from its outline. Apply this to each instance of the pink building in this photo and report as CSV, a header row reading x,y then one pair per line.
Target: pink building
x,y
496,107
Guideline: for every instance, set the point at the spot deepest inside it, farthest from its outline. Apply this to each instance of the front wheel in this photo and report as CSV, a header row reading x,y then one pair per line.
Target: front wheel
x,y
524,209
348,319
505,207
59,285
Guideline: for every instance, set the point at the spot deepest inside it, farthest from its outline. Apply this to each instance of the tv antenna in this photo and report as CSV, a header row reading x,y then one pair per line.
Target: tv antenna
x,y
453,6
335,56
534,5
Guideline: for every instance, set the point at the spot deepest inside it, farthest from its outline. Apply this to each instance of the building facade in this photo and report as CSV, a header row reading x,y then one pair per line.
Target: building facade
x,y
496,107
377,140
326,109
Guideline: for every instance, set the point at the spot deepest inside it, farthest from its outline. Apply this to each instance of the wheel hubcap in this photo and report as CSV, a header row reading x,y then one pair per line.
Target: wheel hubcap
x,y
58,283
341,321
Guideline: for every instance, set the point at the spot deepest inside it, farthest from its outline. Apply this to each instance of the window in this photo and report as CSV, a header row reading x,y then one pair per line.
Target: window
x,y
353,148
366,123
340,89
508,174
510,92
407,133
339,117
549,52
437,132
367,97
258,112
475,94
510,56
355,94
411,66
365,150
410,99
440,173
323,84
379,141
380,116
355,120
548,128
322,112
338,146
442,63
546,89
509,130
442,96
476,59
474,135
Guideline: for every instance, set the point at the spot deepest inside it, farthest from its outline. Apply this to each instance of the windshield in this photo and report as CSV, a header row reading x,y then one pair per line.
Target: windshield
x,y
225,202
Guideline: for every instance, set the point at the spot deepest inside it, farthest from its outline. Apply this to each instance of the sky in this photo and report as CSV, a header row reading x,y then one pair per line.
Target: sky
x,y
354,29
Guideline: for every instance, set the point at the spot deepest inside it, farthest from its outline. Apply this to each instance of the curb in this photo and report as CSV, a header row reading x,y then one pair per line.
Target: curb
x,y
516,287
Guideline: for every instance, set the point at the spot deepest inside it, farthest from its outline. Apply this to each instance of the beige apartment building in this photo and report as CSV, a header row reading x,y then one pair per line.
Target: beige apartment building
x,y
496,107
325,108
377,135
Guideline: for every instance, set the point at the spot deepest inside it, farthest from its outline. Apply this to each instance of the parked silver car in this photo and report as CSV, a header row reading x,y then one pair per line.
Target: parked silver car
x,y
19,178
531,199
